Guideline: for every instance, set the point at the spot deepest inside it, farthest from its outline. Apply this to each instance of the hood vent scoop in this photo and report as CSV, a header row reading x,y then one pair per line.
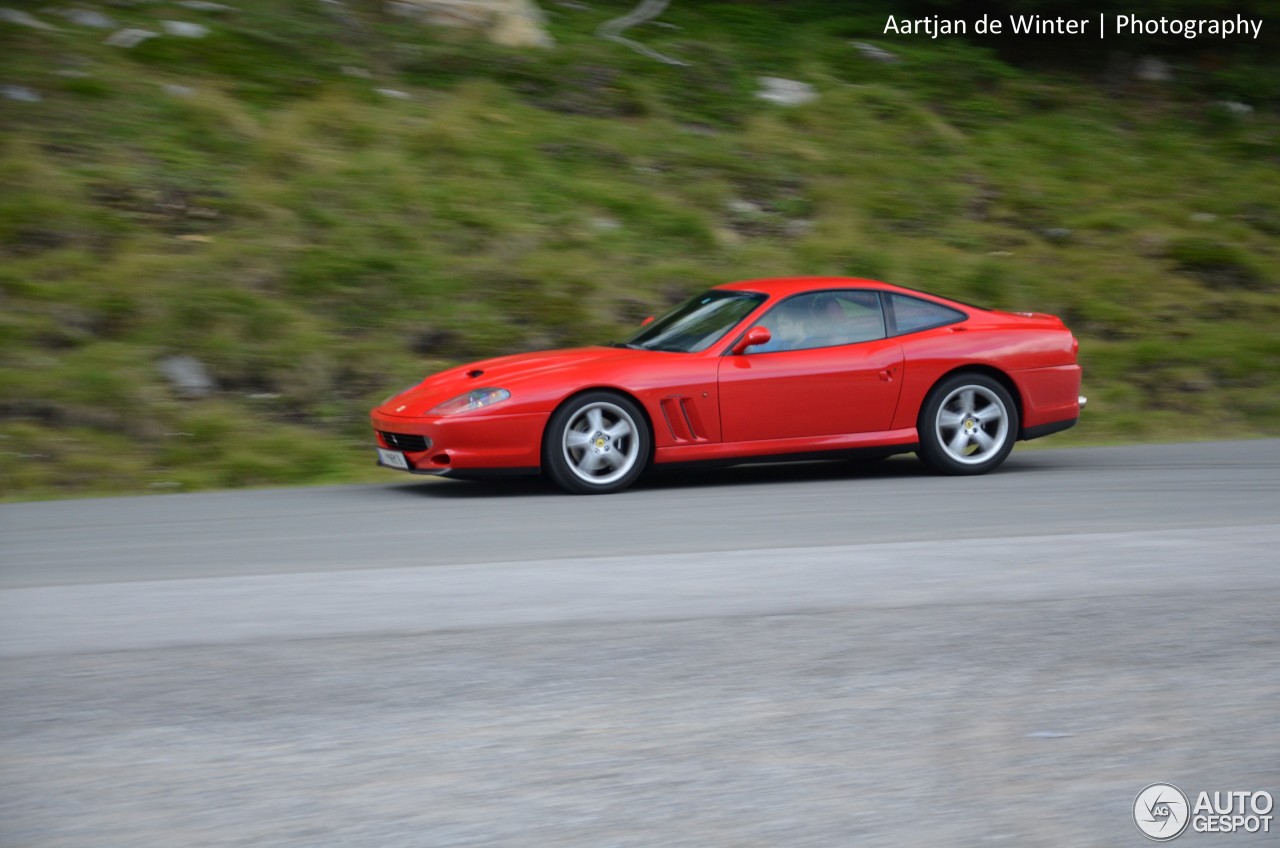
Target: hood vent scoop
x,y
473,374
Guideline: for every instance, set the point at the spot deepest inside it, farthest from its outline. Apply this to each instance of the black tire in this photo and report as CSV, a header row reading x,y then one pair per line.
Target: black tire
x,y
596,443
967,425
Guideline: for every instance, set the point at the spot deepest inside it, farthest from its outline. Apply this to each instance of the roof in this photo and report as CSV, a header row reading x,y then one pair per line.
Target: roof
x,y
782,286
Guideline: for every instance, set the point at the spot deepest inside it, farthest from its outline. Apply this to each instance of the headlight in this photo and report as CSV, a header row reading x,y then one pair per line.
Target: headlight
x,y
471,400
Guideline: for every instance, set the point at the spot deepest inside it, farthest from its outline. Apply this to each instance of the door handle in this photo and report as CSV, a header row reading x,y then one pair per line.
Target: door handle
x,y
886,376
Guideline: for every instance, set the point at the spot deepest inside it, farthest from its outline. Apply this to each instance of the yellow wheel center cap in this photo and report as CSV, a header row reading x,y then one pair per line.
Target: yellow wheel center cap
x,y
600,442
969,423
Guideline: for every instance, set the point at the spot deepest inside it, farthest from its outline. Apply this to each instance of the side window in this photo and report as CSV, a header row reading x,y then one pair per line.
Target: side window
x,y
911,314
823,319
860,318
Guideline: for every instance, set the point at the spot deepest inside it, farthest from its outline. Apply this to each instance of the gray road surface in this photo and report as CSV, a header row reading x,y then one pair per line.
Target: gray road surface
x,y
804,655
415,522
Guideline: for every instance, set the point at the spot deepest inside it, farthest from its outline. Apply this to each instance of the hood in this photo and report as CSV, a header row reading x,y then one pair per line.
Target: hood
x,y
512,372
521,365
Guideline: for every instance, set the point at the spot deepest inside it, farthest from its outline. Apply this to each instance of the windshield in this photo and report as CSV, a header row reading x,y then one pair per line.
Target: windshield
x,y
698,323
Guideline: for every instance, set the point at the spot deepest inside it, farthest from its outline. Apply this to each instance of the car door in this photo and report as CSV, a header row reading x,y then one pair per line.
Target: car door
x,y
829,371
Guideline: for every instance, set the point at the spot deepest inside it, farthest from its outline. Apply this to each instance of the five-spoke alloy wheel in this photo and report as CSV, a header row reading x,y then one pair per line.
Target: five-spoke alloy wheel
x,y
968,425
596,443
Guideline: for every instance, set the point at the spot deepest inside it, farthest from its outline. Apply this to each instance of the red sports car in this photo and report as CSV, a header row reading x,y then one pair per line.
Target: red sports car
x,y
750,371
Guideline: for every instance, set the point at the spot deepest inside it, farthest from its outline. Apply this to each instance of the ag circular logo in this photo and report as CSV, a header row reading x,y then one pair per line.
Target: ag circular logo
x,y
1161,811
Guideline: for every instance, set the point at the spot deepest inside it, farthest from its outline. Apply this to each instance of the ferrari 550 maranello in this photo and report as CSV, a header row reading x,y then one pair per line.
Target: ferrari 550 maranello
x,y
751,371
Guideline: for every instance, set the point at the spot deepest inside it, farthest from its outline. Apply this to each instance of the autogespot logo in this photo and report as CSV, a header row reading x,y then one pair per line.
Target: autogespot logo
x,y
1161,811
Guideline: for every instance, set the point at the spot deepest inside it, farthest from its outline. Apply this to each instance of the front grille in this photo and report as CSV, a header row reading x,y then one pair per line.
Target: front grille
x,y
405,441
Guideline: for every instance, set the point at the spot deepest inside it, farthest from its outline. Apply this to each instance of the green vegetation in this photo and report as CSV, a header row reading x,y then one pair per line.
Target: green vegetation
x,y
251,200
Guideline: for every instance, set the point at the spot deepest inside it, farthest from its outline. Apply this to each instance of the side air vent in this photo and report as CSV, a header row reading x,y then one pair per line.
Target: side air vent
x,y
681,420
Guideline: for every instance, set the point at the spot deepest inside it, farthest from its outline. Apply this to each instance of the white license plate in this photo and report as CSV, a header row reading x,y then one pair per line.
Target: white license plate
x,y
394,459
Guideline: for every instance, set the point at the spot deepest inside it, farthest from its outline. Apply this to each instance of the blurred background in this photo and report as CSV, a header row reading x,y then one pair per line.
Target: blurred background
x,y
228,229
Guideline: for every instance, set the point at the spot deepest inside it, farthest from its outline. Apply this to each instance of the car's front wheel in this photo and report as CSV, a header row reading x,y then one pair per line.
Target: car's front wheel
x,y
596,443
968,425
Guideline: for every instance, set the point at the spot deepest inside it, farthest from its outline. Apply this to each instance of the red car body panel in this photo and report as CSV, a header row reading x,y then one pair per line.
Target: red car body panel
x,y
716,405
822,391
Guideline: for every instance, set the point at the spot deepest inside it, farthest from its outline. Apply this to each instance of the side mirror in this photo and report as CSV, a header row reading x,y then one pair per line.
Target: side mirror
x,y
646,322
755,336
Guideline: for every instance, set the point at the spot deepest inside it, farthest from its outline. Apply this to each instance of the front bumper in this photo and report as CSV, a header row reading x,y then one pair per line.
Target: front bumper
x,y
465,442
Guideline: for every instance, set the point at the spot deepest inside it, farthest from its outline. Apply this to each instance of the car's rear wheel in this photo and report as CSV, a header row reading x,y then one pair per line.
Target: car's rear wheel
x,y
596,443
968,425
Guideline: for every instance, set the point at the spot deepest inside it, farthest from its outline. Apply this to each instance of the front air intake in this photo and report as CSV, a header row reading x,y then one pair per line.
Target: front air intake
x,y
405,441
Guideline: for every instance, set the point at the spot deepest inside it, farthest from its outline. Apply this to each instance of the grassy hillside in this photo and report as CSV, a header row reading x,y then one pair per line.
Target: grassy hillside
x,y
251,199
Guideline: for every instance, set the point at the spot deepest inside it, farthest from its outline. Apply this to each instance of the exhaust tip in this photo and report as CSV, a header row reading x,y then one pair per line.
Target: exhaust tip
x,y
1083,401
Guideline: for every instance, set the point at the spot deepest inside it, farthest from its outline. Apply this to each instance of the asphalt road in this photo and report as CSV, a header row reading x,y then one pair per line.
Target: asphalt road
x,y
412,521
818,655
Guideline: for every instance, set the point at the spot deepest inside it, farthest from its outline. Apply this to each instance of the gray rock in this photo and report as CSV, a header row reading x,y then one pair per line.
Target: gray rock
x,y
1204,217
699,129
178,90
1235,107
1152,69
357,72
1058,234
394,93
875,54
786,92
129,38
185,29
20,93
88,18
206,6
188,376
738,206
1196,384
14,16
511,23
798,227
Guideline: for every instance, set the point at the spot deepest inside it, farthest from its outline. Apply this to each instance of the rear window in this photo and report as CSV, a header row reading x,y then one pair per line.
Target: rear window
x,y
911,314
